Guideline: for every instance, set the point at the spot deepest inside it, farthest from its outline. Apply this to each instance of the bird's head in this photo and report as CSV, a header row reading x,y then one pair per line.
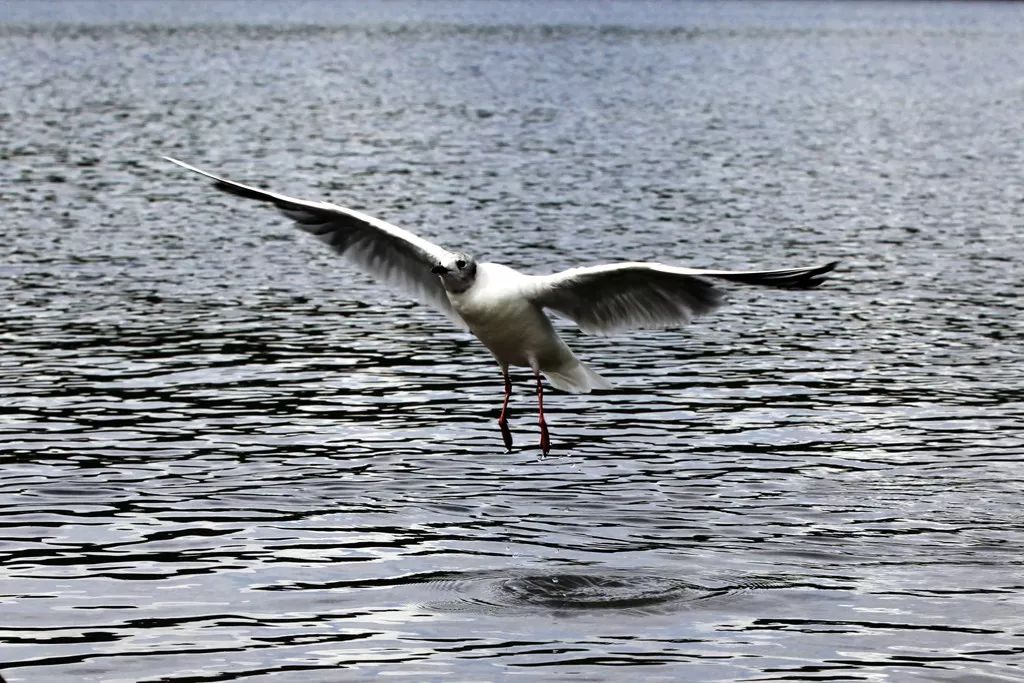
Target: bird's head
x,y
457,272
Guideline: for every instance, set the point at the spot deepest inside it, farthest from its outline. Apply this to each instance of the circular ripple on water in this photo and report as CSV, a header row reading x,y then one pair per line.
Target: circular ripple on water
x,y
570,591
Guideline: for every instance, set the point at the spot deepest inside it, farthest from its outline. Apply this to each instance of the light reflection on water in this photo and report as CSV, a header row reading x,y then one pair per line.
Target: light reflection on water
x,y
226,455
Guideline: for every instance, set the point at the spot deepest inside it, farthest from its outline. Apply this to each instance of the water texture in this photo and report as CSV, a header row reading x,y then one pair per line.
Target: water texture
x,y
226,455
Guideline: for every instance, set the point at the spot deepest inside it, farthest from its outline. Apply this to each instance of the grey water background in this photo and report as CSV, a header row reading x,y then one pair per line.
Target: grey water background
x,y
226,455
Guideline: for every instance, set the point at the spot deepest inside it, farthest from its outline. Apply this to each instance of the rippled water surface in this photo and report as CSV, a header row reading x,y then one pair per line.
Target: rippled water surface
x,y
227,455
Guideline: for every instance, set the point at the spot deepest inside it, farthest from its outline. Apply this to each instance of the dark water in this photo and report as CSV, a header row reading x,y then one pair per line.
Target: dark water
x,y
227,455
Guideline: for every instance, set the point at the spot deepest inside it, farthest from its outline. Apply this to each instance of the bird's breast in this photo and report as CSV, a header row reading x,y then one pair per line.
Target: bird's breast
x,y
492,310
515,330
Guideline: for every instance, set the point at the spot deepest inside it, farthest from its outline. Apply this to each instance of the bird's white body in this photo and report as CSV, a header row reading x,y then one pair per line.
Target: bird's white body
x,y
515,330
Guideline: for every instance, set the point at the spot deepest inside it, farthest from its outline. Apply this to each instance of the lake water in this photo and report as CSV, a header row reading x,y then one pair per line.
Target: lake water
x,y
227,455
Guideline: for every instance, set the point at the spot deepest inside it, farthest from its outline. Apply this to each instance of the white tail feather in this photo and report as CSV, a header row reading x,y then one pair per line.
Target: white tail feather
x,y
578,379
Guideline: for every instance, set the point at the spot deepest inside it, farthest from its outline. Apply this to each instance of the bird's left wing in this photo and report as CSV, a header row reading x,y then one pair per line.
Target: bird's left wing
x,y
622,296
386,252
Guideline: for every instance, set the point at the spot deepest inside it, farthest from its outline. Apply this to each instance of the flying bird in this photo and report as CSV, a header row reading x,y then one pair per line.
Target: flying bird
x,y
507,309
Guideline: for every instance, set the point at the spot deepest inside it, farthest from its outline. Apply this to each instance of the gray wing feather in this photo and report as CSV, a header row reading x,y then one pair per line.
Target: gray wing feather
x,y
621,296
387,252
606,299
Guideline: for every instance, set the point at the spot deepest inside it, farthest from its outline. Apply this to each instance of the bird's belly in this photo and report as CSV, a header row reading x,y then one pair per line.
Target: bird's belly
x,y
516,333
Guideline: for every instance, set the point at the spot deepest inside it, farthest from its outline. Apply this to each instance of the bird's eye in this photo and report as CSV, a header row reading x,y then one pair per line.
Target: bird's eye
x,y
460,264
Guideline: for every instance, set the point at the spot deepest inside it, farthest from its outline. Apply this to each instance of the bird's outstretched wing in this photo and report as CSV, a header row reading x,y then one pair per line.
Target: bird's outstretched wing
x,y
393,255
620,296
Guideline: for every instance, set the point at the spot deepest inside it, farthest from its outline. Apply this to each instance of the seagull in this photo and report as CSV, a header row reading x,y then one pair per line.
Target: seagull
x,y
507,309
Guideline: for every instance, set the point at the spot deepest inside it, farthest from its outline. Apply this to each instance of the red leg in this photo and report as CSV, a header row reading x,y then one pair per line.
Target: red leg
x,y
506,434
545,440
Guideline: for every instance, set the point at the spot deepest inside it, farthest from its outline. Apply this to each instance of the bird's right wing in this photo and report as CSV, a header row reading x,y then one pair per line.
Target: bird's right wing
x,y
386,252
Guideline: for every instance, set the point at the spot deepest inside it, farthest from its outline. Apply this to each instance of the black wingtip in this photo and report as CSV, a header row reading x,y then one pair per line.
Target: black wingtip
x,y
816,276
237,189
793,278
810,278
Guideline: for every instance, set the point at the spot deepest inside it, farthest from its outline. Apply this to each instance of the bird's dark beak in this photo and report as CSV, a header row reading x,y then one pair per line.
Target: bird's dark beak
x,y
438,270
